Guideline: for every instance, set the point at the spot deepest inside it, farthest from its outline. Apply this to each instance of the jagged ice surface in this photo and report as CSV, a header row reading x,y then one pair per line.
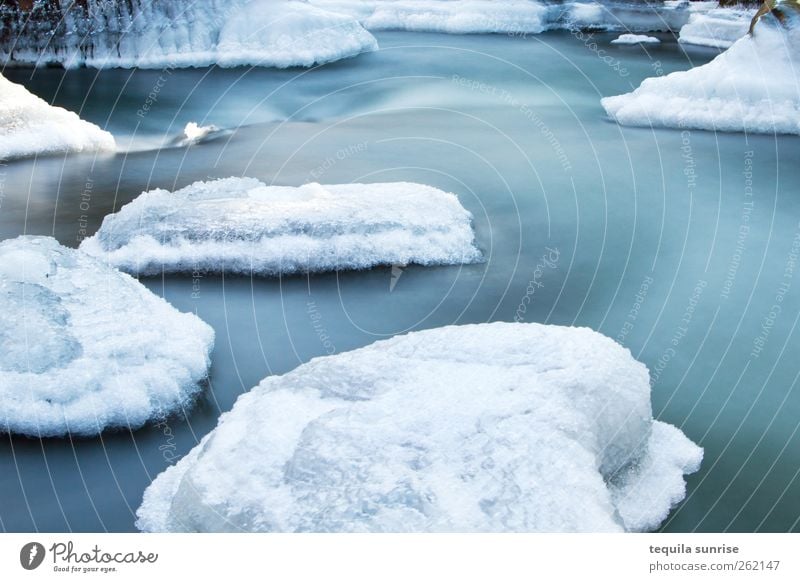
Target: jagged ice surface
x,y
753,86
241,225
84,347
492,427
30,126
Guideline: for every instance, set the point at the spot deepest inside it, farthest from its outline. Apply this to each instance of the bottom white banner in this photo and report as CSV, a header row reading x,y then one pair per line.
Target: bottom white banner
x,y
401,557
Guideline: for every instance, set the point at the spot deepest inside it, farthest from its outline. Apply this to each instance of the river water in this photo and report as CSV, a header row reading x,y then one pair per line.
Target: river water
x,y
681,245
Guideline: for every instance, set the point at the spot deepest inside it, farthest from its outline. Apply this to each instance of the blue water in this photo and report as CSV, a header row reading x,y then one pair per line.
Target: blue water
x,y
678,244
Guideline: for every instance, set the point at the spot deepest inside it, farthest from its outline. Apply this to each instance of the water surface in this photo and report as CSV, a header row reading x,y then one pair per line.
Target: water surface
x,y
678,244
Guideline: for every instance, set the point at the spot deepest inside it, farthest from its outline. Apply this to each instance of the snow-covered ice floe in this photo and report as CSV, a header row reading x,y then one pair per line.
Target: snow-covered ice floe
x,y
753,86
718,28
477,428
241,225
30,126
84,347
186,33
635,39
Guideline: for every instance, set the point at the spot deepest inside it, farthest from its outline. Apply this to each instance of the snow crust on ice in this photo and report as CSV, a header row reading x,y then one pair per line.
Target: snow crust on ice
x,y
718,28
241,225
30,126
192,33
635,39
753,86
485,428
84,347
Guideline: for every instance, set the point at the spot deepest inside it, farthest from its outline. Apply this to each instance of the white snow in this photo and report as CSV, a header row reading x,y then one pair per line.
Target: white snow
x,y
449,16
509,16
195,134
84,347
635,39
719,28
30,126
753,86
284,33
241,225
479,428
192,33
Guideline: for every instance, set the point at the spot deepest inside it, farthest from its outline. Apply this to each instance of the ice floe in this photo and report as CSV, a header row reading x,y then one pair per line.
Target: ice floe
x,y
84,347
241,225
30,126
753,86
635,39
491,427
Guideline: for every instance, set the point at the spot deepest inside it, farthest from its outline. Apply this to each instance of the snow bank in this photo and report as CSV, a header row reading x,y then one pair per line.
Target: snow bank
x,y
450,16
84,347
635,39
185,33
509,16
718,28
29,126
283,33
241,225
753,86
493,427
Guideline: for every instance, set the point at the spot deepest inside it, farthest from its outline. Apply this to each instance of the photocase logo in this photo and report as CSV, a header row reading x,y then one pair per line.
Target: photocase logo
x,y
397,272
31,555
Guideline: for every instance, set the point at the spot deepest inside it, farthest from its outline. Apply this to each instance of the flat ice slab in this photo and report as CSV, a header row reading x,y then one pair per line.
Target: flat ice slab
x,y
753,86
241,225
478,428
84,347
635,39
30,126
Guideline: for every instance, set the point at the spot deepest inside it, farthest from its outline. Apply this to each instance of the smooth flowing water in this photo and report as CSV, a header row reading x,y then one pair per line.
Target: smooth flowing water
x,y
681,245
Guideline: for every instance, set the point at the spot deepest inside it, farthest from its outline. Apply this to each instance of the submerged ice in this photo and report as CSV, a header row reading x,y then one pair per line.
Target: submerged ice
x,y
241,225
753,86
84,347
491,427
30,126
